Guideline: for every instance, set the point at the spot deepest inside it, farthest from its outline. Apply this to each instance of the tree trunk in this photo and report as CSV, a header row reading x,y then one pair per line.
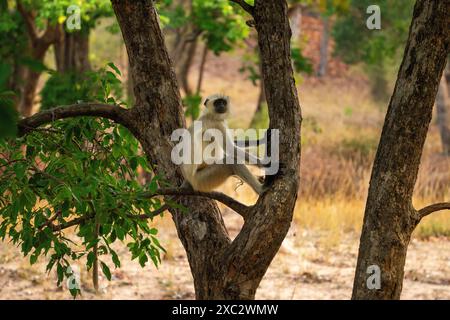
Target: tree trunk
x,y
31,78
38,46
390,218
28,92
295,18
186,66
261,98
221,269
72,51
201,70
443,117
323,64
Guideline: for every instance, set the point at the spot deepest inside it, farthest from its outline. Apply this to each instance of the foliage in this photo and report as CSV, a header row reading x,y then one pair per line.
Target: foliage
x,y
378,50
56,11
8,115
81,170
70,87
217,21
13,41
222,27
192,105
300,62
355,43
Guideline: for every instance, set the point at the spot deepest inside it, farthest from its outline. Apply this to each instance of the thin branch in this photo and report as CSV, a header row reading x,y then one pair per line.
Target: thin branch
x,y
112,112
49,221
240,208
244,5
50,34
78,221
70,223
153,214
433,208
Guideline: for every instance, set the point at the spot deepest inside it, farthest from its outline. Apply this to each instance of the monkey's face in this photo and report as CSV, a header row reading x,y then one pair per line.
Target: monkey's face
x,y
218,105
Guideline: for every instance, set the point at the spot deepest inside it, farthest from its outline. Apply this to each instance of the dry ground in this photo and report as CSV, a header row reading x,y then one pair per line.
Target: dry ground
x,y
303,269
317,260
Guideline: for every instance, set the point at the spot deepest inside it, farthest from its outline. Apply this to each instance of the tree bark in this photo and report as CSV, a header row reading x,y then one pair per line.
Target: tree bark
x,y
221,269
390,218
261,98
295,18
443,117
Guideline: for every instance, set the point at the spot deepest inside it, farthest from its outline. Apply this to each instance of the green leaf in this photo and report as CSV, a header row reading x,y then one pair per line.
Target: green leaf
x,y
115,258
134,163
143,259
114,67
106,270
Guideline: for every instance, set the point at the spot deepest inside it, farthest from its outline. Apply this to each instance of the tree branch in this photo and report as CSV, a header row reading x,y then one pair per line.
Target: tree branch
x,y
112,112
77,221
29,21
244,5
50,34
433,208
70,223
152,214
240,208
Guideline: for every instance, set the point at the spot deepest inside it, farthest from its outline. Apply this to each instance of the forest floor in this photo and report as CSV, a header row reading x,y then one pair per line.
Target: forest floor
x,y
303,269
340,133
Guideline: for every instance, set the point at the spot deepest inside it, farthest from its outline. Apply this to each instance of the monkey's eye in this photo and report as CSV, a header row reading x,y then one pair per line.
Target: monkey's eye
x,y
206,101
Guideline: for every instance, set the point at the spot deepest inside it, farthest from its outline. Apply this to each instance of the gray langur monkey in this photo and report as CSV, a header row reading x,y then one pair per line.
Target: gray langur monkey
x,y
206,176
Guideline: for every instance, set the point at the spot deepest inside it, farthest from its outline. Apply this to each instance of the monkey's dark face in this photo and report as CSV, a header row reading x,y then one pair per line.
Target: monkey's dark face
x,y
220,105
217,106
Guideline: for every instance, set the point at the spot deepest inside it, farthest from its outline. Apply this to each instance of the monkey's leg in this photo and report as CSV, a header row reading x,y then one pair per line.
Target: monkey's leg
x,y
210,177
242,172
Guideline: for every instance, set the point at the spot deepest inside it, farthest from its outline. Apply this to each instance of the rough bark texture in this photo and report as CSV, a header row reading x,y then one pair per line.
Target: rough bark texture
x,y
221,269
443,116
390,217
261,98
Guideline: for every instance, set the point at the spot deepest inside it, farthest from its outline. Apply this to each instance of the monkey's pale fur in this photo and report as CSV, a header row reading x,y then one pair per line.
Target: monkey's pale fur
x,y
206,177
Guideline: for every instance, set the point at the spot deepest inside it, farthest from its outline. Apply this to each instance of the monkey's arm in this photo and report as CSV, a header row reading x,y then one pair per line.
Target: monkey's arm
x,y
247,143
242,154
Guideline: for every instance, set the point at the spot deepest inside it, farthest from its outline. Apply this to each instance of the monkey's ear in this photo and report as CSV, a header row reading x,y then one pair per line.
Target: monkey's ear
x,y
206,101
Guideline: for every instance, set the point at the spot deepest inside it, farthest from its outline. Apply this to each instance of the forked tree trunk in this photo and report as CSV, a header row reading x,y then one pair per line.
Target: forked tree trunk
x,y
221,269
390,217
38,46
443,116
